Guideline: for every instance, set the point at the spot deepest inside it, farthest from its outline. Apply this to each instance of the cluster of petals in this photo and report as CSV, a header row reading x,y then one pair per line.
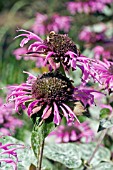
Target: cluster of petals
x,y
101,101
87,7
91,35
22,94
73,133
21,53
8,123
103,71
44,24
8,154
37,49
101,53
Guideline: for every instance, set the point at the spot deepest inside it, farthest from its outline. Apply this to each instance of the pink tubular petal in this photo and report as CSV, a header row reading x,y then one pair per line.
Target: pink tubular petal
x,y
47,57
46,112
73,136
72,54
10,161
31,35
31,75
66,137
65,113
73,63
24,41
31,106
35,110
9,144
35,44
57,118
52,63
71,113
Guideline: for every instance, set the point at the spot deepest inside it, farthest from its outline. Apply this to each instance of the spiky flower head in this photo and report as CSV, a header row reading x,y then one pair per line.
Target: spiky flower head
x,y
51,94
103,71
57,50
8,121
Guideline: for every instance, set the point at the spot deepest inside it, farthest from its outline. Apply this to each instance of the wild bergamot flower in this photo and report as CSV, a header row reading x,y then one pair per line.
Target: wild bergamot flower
x,y
57,50
51,94
73,133
103,71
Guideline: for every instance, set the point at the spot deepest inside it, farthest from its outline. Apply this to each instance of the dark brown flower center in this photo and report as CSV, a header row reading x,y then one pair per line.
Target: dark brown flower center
x,y
52,87
60,44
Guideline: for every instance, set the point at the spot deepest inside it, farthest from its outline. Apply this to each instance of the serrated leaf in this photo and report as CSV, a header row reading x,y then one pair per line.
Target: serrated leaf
x,y
39,133
105,124
104,113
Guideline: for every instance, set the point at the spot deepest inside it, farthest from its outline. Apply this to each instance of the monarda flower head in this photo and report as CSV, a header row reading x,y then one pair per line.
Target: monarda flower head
x,y
8,122
104,73
73,133
57,49
51,94
44,24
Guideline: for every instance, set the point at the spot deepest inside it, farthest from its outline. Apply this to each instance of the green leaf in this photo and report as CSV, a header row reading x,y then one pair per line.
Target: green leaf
x,y
67,154
107,11
25,155
105,124
102,154
39,133
103,166
104,113
72,154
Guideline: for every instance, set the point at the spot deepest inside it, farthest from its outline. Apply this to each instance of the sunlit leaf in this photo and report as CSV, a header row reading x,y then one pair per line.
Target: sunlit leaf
x,y
25,155
103,166
67,154
39,133
104,113
105,124
71,155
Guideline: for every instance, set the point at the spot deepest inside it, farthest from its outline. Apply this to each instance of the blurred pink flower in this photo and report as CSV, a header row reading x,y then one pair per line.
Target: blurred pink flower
x,y
23,53
103,52
73,133
19,52
8,123
89,35
44,24
103,71
88,6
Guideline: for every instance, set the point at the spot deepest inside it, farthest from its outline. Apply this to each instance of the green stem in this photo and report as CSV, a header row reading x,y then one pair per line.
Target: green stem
x,y
40,155
96,149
